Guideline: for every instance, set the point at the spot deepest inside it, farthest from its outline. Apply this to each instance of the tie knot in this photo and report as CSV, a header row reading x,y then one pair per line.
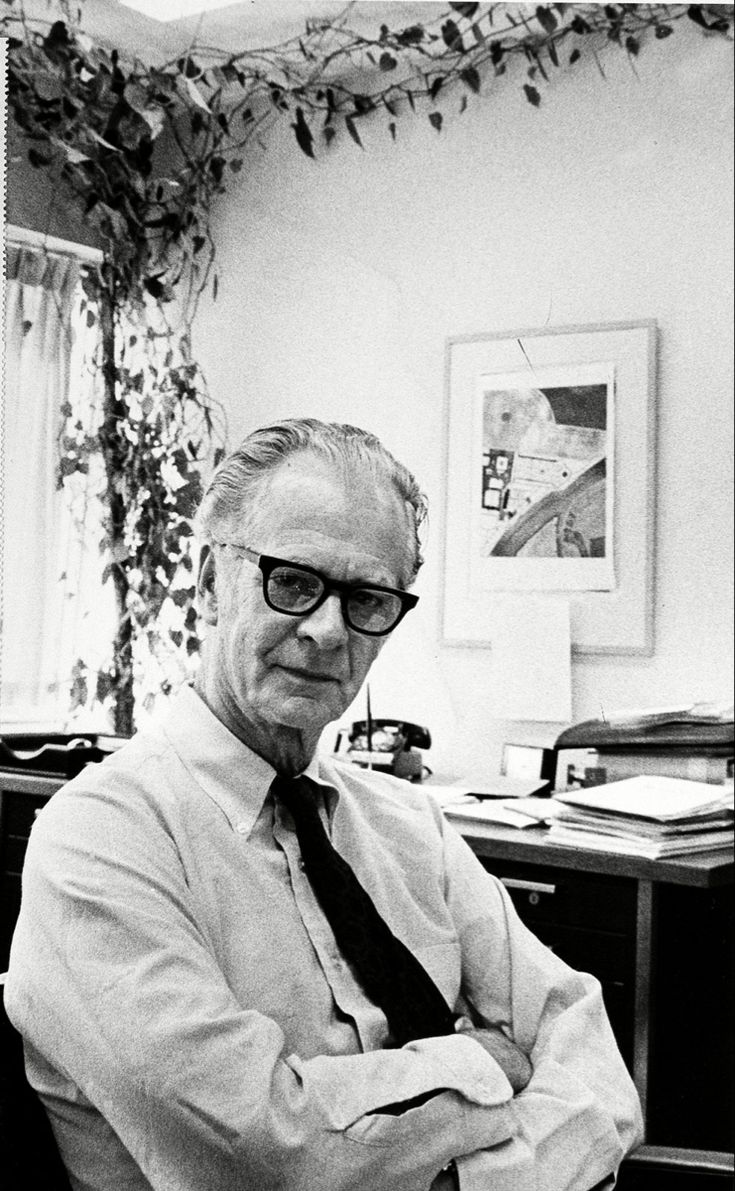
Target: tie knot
x,y
298,794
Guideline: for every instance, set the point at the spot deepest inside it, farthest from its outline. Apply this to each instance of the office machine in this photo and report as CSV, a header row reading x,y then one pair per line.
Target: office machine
x,y
694,742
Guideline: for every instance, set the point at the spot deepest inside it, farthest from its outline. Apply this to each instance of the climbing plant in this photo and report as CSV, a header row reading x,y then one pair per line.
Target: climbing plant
x,y
145,151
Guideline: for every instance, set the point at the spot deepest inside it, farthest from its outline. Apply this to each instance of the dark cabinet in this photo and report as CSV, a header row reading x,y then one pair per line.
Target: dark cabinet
x,y
21,796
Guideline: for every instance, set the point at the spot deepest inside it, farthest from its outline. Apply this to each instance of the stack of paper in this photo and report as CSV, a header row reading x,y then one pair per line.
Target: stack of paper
x,y
509,812
646,816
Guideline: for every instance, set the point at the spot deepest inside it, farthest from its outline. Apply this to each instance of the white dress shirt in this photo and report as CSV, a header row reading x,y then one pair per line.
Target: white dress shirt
x,y
190,1022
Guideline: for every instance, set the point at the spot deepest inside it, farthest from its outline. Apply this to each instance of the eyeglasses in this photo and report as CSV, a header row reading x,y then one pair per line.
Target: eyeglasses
x,y
297,590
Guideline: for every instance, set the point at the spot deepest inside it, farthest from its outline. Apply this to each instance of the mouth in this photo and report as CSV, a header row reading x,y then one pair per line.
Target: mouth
x,y
313,676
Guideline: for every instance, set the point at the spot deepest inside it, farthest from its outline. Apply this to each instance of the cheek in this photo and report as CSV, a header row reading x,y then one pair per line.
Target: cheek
x,y
363,652
251,632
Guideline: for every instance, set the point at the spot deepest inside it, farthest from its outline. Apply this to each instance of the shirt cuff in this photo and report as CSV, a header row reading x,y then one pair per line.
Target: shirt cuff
x,y
464,1066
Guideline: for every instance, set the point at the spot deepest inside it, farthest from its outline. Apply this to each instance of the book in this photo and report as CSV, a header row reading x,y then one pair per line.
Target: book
x,y
618,825
651,849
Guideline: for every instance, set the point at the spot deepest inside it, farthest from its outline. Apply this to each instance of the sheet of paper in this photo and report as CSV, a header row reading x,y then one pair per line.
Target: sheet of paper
x,y
493,786
489,811
531,658
651,797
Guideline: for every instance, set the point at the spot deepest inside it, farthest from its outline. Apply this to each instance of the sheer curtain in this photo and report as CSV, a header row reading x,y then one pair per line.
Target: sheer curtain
x,y
42,546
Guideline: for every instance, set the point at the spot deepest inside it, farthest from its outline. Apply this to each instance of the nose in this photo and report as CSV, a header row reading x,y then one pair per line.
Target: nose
x,y
325,625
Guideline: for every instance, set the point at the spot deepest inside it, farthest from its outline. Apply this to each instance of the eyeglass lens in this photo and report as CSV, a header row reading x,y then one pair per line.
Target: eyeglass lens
x,y
368,610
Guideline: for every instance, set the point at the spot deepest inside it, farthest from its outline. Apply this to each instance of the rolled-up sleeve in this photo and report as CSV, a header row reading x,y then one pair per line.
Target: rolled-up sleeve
x,y
579,1114
113,978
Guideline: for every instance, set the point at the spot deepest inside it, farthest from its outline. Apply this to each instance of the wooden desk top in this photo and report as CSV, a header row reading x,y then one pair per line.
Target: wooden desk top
x,y
532,845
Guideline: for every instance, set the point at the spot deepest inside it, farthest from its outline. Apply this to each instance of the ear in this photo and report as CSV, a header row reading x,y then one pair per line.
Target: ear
x,y
207,586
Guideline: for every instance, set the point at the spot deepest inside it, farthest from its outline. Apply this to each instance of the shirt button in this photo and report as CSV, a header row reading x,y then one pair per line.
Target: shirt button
x,y
302,865
241,828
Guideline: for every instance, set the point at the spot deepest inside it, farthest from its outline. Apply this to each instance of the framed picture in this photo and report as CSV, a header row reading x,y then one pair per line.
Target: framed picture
x,y
550,481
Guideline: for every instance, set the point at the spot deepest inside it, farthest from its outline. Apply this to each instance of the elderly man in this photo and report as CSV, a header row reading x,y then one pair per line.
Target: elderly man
x,y
241,965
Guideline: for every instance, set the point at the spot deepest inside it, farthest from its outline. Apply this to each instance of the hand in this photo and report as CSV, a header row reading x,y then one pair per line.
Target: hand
x,y
514,1063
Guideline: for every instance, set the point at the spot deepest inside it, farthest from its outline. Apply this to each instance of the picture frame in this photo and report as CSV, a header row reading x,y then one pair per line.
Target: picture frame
x,y
550,482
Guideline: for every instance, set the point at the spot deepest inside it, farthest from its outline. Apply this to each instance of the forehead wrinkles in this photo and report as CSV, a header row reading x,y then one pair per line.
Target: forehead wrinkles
x,y
368,490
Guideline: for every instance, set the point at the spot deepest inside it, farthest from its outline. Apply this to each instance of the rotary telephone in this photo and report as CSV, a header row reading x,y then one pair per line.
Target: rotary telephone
x,y
387,745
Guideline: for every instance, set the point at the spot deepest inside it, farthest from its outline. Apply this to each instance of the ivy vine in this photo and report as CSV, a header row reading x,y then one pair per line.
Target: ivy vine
x,y
146,150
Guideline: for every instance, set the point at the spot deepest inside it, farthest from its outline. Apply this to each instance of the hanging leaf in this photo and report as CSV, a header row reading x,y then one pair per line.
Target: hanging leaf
x,y
471,76
452,37
78,692
465,10
387,62
546,19
363,104
196,96
413,35
350,124
37,159
580,26
663,31
303,134
632,45
217,168
532,95
436,120
574,57
392,129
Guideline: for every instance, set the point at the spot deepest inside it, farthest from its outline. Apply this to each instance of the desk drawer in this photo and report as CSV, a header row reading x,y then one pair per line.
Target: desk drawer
x,y
19,812
544,894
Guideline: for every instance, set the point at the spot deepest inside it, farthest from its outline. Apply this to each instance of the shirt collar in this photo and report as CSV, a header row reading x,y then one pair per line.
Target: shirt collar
x,y
230,773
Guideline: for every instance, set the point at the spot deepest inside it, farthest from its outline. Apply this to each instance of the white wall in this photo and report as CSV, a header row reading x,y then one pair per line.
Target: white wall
x,y
340,280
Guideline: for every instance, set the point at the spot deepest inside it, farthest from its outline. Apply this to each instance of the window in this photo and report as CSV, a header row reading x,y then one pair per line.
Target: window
x,y
54,607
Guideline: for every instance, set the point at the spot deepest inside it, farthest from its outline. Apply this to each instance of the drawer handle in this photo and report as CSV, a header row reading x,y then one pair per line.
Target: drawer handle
x,y
528,886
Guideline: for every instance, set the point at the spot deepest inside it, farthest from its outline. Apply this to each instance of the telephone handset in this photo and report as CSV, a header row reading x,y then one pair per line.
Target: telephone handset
x,y
385,744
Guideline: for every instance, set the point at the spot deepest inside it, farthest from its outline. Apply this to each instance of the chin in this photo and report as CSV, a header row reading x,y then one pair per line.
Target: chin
x,y
304,714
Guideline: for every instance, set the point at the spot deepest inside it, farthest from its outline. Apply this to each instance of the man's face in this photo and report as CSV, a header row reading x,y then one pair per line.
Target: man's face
x,y
302,672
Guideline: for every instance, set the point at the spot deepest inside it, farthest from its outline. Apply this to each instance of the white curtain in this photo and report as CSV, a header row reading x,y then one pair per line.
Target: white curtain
x,y
40,301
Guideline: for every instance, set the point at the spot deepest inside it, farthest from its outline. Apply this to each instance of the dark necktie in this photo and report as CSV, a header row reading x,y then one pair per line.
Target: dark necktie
x,y
390,975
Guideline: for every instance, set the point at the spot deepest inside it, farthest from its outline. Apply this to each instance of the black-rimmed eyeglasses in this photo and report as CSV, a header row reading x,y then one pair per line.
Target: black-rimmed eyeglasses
x,y
297,590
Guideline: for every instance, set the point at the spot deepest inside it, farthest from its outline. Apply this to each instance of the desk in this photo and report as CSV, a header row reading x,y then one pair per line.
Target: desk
x,y
658,934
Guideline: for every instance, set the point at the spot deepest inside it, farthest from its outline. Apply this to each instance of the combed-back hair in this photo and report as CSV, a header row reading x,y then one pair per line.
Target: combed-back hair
x,y
234,488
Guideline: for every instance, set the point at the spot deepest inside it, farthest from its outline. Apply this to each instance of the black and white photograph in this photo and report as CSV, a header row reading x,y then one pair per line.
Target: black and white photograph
x,y
367,741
